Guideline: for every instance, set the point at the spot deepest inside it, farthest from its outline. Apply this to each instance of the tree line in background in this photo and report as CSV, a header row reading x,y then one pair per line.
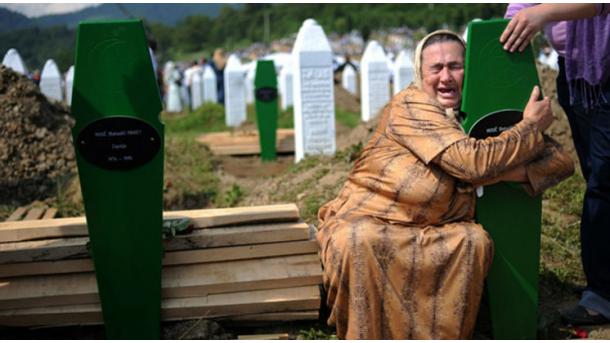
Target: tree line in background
x,y
241,26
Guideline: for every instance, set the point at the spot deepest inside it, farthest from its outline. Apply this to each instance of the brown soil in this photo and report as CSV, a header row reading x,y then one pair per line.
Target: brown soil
x,y
35,141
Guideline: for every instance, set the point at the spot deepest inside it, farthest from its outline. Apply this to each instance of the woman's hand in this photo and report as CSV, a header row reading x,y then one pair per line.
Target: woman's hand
x,y
522,28
538,112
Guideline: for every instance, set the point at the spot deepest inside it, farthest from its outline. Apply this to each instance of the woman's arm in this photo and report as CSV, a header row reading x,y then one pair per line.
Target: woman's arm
x,y
528,21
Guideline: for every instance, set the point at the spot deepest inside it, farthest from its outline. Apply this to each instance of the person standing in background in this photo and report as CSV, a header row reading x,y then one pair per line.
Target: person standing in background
x,y
581,35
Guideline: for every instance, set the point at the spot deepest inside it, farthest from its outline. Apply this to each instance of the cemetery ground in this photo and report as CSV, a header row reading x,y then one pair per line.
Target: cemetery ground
x,y
195,178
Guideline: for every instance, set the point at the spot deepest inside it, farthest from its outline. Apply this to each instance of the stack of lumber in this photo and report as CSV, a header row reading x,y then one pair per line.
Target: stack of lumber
x,y
245,142
32,213
248,263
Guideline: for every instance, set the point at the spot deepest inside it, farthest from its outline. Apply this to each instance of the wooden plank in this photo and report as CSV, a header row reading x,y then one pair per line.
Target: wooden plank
x,y
177,281
17,215
265,336
71,227
171,258
215,305
34,213
273,317
245,143
50,213
75,247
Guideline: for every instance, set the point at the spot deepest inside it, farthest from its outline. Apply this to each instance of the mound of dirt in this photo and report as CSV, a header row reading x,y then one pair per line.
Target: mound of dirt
x,y
35,141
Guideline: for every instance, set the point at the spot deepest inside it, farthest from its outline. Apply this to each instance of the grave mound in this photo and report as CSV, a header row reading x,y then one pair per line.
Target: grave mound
x,y
35,141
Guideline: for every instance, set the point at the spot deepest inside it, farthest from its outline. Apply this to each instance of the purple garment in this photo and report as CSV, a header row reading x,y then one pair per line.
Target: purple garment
x,y
587,52
555,31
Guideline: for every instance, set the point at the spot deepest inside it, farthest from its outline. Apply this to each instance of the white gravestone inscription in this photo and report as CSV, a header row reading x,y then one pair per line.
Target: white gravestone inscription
x,y
403,71
314,105
375,88
50,81
235,92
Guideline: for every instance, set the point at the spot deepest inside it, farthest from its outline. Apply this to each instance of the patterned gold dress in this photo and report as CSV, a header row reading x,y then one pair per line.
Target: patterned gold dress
x,y
402,255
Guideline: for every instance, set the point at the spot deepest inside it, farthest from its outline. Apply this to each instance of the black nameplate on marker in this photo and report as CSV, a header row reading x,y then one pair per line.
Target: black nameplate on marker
x,y
118,143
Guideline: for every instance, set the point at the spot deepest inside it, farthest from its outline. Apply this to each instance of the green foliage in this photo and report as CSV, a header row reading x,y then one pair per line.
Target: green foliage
x,y
233,196
316,334
238,26
208,118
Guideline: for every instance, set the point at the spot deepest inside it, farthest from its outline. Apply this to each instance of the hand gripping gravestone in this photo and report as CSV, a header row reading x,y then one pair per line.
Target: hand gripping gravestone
x,y
118,141
50,81
375,86
403,71
314,101
235,92
496,88
265,93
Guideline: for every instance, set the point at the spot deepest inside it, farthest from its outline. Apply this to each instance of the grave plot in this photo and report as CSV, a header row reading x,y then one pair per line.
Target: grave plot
x,y
248,263
245,142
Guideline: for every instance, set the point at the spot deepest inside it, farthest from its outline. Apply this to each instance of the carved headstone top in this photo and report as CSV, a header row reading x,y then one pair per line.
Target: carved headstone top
x,y
375,88
50,81
13,60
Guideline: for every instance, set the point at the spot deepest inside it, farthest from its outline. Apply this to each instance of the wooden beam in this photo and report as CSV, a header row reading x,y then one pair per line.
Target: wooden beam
x,y
265,336
171,258
305,298
245,143
17,215
71,227
75,247
273,317
50,213
177,281
34,213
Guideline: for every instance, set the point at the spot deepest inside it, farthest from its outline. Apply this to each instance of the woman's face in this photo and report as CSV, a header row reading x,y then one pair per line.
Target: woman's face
x,y
443,72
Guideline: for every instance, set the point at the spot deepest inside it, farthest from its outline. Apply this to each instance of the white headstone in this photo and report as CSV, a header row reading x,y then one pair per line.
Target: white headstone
x,y
13,60
50,81
209,85
348,79
403,71
235,92
185,97
196,91
465,34
251,71
374,81
314,100
69,83
172,76
286,88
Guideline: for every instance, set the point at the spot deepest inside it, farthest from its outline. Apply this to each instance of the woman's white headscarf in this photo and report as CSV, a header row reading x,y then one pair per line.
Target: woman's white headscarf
x,y
418,52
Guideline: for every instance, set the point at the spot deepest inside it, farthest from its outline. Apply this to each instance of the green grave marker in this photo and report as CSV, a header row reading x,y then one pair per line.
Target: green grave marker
x,y
119,144
265,91
497,86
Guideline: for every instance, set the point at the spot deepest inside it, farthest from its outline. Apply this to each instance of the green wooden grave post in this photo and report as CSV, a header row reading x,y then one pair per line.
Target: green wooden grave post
x,y
119,144
265,85
497,86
